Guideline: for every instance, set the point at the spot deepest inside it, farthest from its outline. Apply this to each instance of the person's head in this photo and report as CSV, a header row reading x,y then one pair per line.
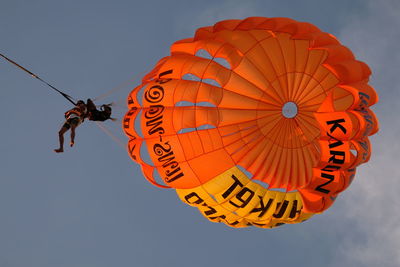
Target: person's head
x,y
81,104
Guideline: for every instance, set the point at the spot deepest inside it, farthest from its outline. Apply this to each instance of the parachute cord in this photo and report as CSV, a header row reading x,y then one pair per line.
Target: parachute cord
x,y
69,98
113,137
113,90
120,86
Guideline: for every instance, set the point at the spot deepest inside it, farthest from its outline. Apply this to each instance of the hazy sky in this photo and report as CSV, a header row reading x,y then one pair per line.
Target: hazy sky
x,y
91,207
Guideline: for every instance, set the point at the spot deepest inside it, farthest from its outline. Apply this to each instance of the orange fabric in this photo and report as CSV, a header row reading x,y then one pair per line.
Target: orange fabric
x,y
219,101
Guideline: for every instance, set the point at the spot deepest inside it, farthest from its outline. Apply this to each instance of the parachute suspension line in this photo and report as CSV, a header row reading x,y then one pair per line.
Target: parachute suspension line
x,y
69,98
113,90
113,137
120,86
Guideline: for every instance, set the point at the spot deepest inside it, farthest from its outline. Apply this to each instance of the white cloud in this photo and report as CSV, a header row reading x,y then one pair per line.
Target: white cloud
x,y
373,204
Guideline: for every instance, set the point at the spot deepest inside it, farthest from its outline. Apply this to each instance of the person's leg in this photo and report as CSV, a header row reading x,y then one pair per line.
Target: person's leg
x,y
61,139
73,135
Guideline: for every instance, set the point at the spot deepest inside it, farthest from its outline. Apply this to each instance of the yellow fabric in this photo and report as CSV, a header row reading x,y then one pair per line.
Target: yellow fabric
x,y
233,198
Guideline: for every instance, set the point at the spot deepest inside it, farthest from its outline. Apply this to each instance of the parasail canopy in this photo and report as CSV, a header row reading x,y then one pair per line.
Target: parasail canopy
x,y
260,121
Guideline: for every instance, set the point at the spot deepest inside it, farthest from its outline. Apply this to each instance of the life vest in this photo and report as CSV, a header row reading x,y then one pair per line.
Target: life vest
x,y
75,112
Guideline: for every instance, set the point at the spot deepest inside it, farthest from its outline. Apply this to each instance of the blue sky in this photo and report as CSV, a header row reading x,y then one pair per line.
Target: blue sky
x,y
91,207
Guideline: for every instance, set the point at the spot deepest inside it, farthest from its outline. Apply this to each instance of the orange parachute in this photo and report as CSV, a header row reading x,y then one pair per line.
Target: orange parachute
x,y
260,121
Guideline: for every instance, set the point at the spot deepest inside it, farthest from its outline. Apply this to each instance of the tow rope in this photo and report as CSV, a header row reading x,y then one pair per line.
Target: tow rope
x,y
69,98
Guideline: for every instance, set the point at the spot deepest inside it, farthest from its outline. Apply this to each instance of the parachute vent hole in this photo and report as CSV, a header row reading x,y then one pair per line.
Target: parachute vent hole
x,y
191,104
191,77
213,197
205,127
144,154
282,190
262,183
201,127
211,82
289,110
186,130
205,54
223,62
205,104
246,172
139,95
184,104
138,124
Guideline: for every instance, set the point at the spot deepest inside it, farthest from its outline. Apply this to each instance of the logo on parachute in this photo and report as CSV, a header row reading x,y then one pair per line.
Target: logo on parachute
x,y
154,122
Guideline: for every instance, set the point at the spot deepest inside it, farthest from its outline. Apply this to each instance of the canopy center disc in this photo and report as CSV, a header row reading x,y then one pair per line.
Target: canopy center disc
x,y
289,110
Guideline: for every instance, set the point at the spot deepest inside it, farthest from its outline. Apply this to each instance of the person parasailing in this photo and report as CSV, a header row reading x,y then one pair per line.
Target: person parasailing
x,y
74,117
